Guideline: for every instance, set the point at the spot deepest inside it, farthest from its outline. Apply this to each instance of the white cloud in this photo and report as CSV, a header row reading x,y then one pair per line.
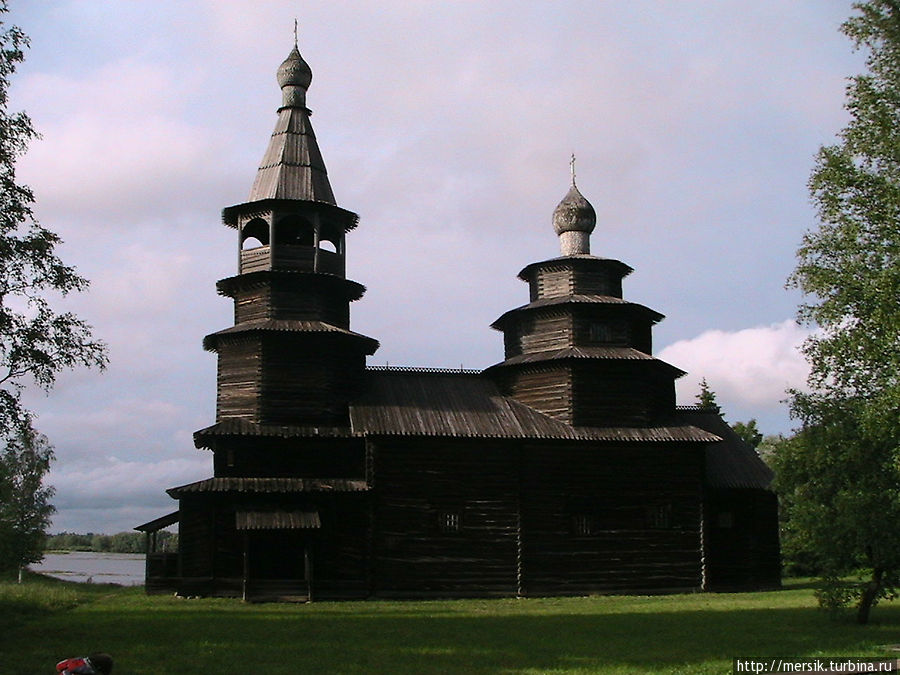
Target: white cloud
x,y
747,369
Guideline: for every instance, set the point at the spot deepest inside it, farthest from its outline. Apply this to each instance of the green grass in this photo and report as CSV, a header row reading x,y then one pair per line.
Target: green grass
x,y
697,633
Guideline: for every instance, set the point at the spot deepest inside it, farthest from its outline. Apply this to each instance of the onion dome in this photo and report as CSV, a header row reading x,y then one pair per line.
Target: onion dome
x,y
574,214
294,77
294,71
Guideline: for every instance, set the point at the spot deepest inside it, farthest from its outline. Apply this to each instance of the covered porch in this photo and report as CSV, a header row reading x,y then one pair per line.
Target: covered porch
x,y
161,568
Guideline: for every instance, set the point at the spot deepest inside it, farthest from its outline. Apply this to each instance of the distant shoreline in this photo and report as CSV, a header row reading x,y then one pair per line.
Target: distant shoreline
x,y
93,567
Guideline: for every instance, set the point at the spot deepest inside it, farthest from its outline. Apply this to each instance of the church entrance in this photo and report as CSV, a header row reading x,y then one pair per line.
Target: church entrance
x,y
278,555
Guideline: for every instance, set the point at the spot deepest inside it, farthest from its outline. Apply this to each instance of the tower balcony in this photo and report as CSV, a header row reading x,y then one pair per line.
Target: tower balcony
x,y
287,257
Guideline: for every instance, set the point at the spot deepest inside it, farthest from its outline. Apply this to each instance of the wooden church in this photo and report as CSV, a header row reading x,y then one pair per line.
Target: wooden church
x,y
564,469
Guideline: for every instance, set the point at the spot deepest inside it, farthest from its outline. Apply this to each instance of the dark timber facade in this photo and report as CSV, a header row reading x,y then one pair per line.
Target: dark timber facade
x,y
564,469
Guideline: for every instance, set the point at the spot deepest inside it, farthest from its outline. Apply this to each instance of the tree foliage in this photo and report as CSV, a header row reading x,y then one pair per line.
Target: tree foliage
x,y
748,432
36,342
25,508
839,476
706,399
122,542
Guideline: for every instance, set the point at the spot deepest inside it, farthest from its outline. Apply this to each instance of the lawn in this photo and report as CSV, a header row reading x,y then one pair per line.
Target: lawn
x,y
45,621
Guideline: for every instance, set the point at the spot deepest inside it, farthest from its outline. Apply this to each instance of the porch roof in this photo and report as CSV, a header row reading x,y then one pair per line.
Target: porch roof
x,y
277,520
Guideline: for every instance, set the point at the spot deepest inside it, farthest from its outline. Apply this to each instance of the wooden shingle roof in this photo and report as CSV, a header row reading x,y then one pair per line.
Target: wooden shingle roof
x,y
732,463
159,523
595,353
277,520
210,342
460,404
205,438
268,485
574,261
292,167
544,303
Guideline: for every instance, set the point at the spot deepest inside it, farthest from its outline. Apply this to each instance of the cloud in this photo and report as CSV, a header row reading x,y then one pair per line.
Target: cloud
x,y
694,123
111,482
748,369
118,147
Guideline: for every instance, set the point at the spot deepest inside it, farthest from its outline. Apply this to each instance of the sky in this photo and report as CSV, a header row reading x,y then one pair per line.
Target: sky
x,y
448,127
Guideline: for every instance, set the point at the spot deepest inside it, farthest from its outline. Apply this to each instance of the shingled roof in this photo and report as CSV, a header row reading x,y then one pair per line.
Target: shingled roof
x,y
466,404
268,485
566,300
732,463
292,167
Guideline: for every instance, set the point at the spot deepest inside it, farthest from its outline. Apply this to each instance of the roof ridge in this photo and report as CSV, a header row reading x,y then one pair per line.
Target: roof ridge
x,y
697,408
424,370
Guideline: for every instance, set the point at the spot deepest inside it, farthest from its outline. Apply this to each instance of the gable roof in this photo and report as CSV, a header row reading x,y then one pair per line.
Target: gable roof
x,y
732,463
451,404
466,404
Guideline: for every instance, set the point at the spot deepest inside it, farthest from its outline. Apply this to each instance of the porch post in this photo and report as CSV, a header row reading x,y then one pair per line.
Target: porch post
x,y
307,572
147,551
245,578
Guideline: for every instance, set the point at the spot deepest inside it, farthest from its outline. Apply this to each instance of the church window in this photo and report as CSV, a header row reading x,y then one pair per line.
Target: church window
x,y
659,516
583,525
448,522
601,332
609,332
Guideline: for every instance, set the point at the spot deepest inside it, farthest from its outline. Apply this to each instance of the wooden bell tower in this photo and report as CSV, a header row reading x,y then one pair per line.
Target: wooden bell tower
x,y
290,358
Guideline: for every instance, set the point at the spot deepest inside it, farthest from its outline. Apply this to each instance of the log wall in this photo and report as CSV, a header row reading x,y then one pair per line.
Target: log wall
x,y
267,457
552,282
536,520
238,374
549,389
742,547
285,303
421,486
620,393
611,519
289,378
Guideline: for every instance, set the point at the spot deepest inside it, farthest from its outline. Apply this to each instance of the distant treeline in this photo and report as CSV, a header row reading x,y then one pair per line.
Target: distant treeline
x,y
123,542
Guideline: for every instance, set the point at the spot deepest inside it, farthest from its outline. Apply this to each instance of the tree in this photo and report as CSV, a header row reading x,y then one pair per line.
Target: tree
x,y
706,399
839,477
748,432
769,446
25,507
36,342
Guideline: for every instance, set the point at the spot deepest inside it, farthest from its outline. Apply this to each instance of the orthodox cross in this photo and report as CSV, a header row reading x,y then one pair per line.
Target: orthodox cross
x,y
572,167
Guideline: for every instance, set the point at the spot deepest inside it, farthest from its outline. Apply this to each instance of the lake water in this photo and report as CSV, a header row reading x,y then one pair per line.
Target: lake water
x,y
125,569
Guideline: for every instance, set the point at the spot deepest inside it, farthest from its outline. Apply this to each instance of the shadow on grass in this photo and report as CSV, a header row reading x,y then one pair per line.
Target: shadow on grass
x,y
591,635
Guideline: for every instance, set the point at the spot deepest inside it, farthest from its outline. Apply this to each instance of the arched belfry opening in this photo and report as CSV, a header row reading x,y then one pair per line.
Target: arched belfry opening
x,y
254,234
294,230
